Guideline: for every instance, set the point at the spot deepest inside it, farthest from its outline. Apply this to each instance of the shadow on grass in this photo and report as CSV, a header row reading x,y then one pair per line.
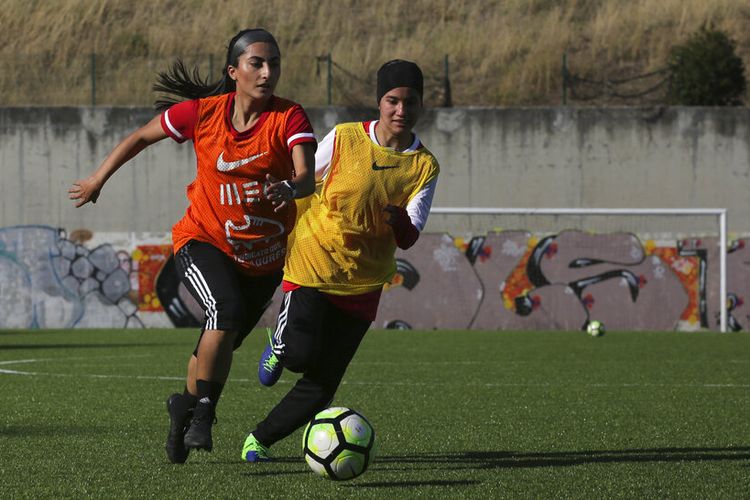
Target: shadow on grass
x,y
485,460
511,459
408,484
269,469
42,430
272,473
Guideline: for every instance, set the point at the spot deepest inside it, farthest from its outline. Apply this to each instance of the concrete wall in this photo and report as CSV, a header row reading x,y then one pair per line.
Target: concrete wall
x,y
108,265
535,157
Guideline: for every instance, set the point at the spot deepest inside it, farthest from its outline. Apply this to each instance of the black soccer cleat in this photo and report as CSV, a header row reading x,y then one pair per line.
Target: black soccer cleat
x,y
198,435
179,422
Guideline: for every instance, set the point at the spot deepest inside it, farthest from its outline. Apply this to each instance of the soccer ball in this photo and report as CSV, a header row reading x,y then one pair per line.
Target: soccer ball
x,y
339,443
595,328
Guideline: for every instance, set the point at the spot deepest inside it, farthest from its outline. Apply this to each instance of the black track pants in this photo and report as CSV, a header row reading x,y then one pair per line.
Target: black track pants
x,y
317,339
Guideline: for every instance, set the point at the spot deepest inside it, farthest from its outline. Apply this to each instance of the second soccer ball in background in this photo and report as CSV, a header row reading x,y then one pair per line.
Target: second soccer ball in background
x,y
595,328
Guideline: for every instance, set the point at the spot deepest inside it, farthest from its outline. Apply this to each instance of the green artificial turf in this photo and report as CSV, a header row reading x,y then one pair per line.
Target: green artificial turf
x,y
458,414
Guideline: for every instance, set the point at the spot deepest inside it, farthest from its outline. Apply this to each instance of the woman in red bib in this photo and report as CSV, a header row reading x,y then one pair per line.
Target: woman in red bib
x,y
255,155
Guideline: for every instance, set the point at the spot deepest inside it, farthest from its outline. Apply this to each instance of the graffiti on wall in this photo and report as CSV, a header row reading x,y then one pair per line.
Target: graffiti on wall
x,y
51,280
515,280
503,280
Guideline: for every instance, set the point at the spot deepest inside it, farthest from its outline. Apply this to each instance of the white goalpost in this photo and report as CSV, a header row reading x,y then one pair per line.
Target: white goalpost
x,y
718,215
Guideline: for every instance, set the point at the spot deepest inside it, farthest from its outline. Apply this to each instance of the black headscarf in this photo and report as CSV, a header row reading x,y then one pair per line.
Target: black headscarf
x,y
399,73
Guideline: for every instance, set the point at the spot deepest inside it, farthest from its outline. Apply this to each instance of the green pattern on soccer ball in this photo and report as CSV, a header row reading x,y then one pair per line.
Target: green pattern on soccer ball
x,y
331,412
348,464
595,328
356,431
322,439
339,456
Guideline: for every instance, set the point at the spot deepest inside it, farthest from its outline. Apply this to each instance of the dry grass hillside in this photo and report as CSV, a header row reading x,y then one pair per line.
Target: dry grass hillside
x,y
499,52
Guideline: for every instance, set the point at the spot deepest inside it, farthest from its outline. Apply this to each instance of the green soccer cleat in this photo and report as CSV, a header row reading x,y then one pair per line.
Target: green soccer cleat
x,y
253,451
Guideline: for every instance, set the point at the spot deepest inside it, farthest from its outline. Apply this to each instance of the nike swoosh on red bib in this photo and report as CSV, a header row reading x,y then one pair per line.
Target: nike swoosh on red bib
x,y
226,166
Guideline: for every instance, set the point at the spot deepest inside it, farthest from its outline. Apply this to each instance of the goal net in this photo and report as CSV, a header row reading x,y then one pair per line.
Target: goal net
x,y
559,268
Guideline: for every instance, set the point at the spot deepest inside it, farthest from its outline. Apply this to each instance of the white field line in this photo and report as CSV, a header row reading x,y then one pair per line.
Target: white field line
x,y
345,382
19,361
544,384
75,358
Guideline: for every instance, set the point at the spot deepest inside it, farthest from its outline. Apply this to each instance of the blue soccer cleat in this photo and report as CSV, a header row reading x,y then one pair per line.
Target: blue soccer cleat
x,y
269,367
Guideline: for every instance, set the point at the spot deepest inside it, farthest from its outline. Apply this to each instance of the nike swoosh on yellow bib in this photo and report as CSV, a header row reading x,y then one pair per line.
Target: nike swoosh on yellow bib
x,y
226,166
375,166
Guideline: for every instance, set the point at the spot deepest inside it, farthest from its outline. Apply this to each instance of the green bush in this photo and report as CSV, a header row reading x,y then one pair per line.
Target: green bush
x,y
706,71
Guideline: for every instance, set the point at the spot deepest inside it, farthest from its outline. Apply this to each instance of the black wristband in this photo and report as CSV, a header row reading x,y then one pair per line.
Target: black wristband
x,y
291,186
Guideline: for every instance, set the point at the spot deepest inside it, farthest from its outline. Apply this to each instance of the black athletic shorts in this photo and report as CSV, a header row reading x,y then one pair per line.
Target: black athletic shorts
x,y
231,300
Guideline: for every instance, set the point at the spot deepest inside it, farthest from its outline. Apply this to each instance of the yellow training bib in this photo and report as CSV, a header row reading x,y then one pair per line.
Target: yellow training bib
x,y
341,243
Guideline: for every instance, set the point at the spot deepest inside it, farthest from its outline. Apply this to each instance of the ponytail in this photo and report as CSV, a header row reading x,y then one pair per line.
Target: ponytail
x,y
180,82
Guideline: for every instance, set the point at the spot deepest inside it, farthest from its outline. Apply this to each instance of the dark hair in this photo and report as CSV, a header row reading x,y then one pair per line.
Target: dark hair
x,y
184,84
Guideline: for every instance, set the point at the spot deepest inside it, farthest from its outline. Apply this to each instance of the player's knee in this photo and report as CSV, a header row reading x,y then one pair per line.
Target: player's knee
x,y
219,337
297,360
230,315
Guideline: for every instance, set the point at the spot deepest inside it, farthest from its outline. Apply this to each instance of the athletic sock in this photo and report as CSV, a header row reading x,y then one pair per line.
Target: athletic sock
x,y
209,391
190,399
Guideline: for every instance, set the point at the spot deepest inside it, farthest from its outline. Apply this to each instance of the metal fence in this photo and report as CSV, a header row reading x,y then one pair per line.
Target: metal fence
x,y
110,79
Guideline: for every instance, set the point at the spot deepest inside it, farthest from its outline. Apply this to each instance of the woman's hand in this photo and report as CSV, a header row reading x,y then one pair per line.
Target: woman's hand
x,y
280,193
85,190
405,233
396,216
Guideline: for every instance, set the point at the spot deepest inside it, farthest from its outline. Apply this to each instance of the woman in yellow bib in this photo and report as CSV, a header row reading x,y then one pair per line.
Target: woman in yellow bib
x,y
376,182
